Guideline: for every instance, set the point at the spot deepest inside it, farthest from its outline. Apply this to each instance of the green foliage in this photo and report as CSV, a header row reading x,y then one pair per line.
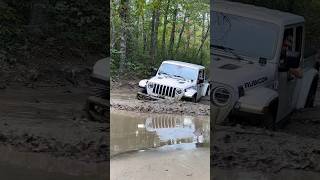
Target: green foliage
x,y
138,45
80,24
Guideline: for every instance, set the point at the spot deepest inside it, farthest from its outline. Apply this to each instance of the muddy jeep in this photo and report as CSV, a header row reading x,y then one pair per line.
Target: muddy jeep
x,y
175,80
257,71
97,105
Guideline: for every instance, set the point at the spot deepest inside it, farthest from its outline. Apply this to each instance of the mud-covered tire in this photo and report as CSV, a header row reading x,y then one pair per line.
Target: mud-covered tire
x,y
143,90
194,98
140,92
97,109
268,120
312,93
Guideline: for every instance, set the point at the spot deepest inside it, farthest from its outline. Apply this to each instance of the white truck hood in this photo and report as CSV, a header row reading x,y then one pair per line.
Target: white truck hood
x,y
174,82
241,73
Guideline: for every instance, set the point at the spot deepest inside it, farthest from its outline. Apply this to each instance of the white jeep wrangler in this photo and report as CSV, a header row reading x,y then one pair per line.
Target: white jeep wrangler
x,y
175,80
259,64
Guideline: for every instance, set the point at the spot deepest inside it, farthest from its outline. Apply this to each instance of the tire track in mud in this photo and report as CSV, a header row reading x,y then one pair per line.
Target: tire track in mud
x,y
48,120
294,146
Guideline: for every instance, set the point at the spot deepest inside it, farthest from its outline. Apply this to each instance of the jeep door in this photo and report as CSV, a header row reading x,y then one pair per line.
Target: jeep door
x,y
200,83
288,84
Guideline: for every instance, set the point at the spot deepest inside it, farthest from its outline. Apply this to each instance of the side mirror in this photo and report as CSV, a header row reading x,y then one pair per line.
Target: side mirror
x,y
200,81
292,60
154,71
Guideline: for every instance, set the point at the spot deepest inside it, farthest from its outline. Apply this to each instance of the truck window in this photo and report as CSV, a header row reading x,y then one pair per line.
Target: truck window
x,y
287,44
299,33
201,75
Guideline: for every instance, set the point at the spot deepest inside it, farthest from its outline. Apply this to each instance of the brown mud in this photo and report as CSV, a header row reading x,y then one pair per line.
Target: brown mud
x,y
295,146
123,97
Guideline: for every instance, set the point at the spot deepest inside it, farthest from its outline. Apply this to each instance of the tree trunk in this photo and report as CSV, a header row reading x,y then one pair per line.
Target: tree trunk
x,y
144,36
194,35
113,32
202,42
165,22
155,45
152,35
181,32
38,17
124,9
173,31
188,38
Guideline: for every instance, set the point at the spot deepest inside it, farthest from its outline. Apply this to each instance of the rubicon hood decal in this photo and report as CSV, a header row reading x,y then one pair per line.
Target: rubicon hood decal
x,y
255,82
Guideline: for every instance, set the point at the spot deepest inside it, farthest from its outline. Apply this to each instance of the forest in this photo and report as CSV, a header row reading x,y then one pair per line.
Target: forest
x,y
29,27
146,32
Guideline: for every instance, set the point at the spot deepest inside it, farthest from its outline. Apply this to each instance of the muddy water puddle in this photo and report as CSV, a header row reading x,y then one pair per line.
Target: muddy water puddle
x,y
136,132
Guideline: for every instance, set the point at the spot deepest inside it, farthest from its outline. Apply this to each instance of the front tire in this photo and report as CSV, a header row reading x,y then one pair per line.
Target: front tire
x,y
268,120
194,98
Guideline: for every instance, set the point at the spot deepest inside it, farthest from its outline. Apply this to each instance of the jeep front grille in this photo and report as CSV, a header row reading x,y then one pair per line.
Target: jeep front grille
x,y
164,90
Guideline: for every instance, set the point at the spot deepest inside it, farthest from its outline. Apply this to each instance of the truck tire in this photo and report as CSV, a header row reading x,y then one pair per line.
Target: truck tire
x,y
268,120
143,90
312,93
194,98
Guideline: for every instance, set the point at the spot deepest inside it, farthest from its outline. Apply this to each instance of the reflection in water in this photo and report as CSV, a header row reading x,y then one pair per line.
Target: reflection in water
x,y
138,131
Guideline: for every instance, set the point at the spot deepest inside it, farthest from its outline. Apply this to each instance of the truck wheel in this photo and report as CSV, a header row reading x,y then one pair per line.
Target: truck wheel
x,y
194,98
268,120
143,90
312,94
140,94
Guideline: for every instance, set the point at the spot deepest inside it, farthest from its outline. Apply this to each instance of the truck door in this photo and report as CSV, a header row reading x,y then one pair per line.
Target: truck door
x,y
287,87
200,83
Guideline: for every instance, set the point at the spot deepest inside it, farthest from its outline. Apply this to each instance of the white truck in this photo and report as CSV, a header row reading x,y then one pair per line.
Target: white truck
x,y
175,80
260,67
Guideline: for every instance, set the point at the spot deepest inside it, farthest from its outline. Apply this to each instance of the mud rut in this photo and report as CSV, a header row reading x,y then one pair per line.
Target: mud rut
x,y
51,120
294,146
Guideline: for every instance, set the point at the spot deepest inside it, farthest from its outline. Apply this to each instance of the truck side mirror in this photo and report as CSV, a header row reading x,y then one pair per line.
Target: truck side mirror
x,y
154,71
293,61
200,81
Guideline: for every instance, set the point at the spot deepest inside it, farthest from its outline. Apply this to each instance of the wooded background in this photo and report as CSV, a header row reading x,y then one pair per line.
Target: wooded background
x,y
61,29
146,32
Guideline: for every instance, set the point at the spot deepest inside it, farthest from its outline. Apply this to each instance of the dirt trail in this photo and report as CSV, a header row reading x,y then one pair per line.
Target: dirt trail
x,y
51,120
294,146
124,98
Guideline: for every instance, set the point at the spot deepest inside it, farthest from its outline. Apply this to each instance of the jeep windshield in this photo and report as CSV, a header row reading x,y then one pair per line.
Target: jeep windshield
x,y
241,36
178,71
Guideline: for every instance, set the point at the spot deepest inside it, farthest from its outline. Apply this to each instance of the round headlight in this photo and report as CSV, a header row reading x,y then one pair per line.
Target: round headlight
x,y
150,85
179,91
220,96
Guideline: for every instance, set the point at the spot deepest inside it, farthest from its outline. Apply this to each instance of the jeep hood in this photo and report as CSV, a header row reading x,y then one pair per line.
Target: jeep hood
x,y
241,73
170,81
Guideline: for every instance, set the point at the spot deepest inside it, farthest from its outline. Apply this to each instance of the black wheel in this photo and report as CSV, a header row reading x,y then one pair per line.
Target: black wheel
x,y
194,98
143,90
268,120
312,94
97,109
